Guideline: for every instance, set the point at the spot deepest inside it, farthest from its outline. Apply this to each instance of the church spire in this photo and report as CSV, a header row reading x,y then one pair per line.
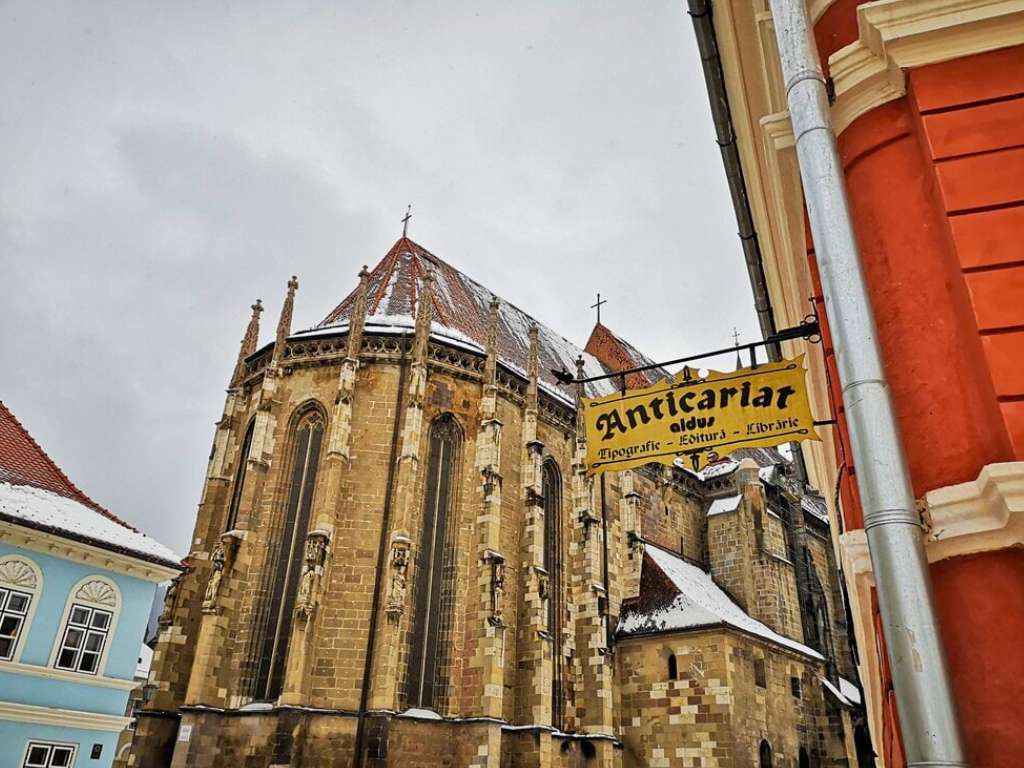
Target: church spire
x,y
424,311
357,319
284,324
249,342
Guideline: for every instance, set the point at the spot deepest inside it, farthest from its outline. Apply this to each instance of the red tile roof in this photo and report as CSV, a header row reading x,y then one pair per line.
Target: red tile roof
x,y
617,354
460,309
24,462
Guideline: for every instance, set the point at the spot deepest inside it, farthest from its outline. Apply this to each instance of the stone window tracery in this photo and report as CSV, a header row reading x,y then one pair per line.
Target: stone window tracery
x,y
552,493
286,551
240,471
427,674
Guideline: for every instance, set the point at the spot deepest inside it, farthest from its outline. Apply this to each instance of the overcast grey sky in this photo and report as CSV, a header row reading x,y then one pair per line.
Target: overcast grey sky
x,y
165,163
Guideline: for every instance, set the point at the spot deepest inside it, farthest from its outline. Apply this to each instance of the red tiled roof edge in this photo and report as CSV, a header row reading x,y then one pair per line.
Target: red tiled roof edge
x,y
616,356
65,487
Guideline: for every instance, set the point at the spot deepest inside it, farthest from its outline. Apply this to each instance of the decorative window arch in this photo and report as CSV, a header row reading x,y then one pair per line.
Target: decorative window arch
x,y
284,554
429,641
551,490
21,584
239,484
87,627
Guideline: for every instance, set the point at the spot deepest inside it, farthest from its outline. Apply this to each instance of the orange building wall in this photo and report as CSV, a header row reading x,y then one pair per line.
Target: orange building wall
x,y
936,188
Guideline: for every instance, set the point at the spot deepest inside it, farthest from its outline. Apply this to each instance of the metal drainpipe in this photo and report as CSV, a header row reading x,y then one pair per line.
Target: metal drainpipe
x,y
921,681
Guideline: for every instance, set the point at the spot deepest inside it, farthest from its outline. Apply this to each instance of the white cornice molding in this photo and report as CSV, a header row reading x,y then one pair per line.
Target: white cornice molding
x,y
61,718
978,516
895,35
69,549
860,581
78,678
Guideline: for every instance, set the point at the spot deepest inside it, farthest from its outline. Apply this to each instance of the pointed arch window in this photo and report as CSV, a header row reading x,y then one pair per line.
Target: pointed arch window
x,y
552,491
764,754
427,676
285,556
236,492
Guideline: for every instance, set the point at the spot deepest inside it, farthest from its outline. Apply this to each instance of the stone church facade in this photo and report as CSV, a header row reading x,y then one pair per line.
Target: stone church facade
x,y
399,560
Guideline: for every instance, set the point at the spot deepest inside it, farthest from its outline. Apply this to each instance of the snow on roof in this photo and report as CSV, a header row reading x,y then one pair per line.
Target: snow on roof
x,y
718,469
460,311
849,690
814,505
47,510
721,506
35,492
700,603
846,694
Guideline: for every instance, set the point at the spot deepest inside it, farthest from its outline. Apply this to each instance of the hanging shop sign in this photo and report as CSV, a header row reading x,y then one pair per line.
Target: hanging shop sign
x,y
699,418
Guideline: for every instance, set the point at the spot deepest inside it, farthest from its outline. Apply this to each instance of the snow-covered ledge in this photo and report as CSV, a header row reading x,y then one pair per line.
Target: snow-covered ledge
x,y
977,516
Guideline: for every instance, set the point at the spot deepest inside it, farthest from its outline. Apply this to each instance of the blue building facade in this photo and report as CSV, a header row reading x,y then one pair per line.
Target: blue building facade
x,y
76,586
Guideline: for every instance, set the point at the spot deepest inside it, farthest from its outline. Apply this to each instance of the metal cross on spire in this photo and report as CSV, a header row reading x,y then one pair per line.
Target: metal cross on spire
x,y
597,306
405,219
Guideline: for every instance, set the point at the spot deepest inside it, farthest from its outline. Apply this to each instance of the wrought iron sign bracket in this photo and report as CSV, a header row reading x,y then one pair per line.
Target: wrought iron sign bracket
x,y
809,329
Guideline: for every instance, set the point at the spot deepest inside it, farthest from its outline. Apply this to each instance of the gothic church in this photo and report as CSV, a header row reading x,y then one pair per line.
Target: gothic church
x,y
400,561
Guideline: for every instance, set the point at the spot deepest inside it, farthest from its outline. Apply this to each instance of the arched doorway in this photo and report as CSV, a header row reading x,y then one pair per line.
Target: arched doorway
x,y
765,754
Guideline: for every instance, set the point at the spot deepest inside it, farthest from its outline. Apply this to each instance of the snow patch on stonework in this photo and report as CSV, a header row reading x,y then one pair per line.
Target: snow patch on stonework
x,y
35,506
700,603
421,714
721,506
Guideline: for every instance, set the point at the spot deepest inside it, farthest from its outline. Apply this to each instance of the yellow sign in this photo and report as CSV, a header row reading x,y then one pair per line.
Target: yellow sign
x,y
700,419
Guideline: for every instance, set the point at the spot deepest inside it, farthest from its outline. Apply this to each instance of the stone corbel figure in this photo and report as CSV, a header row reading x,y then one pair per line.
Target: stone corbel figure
x,y
220,560
170,599
543,592
313,559
497,563
400,546
498,592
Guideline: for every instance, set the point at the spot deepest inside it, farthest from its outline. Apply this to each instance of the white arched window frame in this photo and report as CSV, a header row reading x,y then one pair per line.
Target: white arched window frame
x,y
21,584
87,626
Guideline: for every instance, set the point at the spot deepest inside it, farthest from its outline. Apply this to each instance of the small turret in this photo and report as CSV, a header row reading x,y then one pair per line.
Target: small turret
x,y
249,342
284,323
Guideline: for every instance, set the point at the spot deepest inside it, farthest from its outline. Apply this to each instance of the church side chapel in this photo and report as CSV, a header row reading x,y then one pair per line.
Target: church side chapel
x,y
399,560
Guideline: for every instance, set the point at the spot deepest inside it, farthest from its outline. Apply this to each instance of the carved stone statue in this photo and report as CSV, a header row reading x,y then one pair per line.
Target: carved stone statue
x,y
218,558
313,560
167,612
497,591
399,571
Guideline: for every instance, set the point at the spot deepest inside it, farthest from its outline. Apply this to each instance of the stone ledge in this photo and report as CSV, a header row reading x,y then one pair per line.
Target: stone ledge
x,y
977,516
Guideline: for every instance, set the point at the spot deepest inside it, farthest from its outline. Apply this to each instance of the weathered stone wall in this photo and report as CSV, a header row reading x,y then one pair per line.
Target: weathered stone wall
x,y
673,722
773,713
715,714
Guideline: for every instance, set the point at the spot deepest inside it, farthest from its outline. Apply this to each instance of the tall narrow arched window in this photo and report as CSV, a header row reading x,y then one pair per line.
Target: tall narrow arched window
x,y
765,754
804,759
673,667
236,492
285,554
552,492
427,673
